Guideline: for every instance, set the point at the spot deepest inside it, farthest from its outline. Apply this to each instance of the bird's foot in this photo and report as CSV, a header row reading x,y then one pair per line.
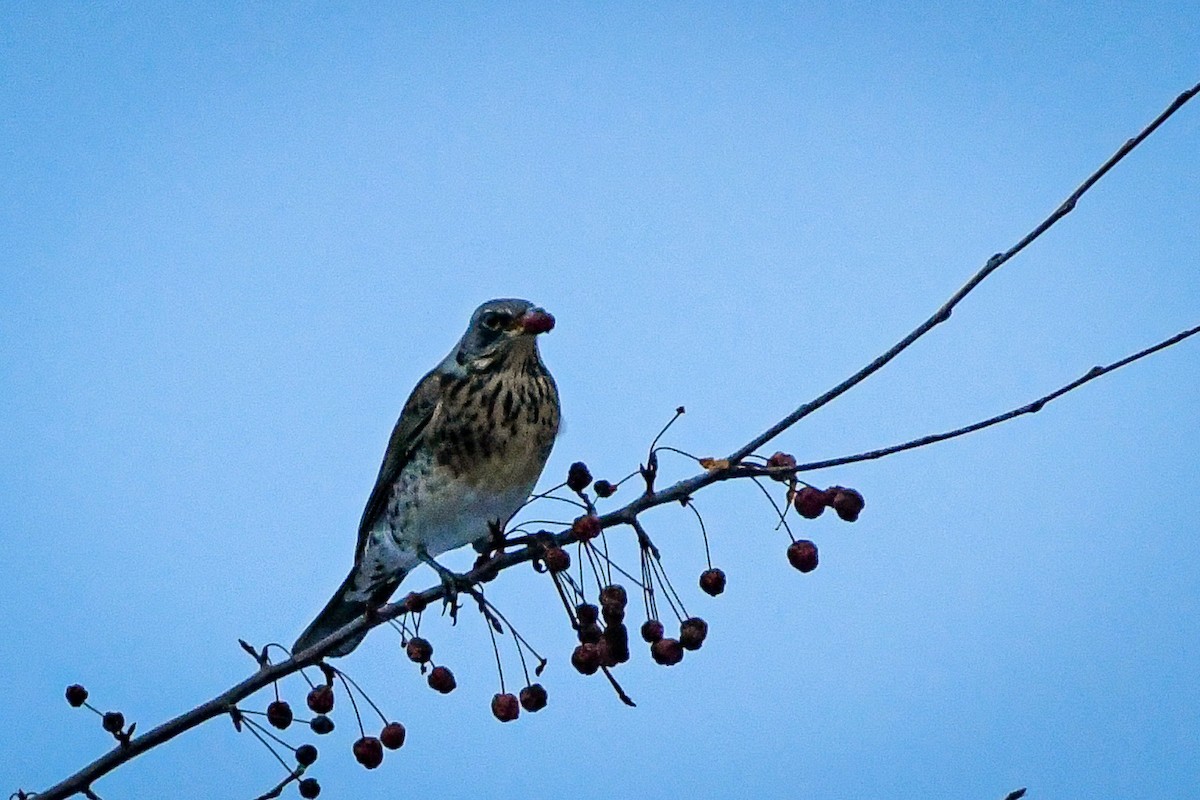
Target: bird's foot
x,y
452,584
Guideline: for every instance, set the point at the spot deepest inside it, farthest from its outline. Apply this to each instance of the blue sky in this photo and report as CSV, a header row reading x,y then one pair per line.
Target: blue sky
x,y
235,236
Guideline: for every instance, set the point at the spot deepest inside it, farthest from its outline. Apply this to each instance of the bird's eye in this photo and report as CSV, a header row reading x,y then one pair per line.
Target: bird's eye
x,y
493,320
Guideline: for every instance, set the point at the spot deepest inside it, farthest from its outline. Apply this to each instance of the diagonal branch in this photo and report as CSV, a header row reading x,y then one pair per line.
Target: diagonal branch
x,y
222,704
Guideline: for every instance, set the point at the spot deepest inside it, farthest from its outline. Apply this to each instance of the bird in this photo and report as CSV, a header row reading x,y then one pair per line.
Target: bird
x,y
471,442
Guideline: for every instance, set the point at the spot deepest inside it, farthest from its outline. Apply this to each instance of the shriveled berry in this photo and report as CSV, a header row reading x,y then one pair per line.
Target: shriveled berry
x,y
76,695
418,650
415,603
802,554
712,581
847,503
652,631
392,736
557,559
616,641
811,502
590,633
306,755
667,652
533,697
505,707
692,632
578,477
604,489
613,612
781,462
320,699
321,725
441,679
309,788
368,751
586,527
614,593
587,613
279,714
586,658
113,721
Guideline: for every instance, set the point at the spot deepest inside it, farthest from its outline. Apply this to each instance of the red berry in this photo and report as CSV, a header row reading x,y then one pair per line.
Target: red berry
x,y
537,322
692,633
113,721
306,755
505,707
781,462
590,633
321,725
615,645
604,489
279,714
368,751
587,613
76,695
614,593
578,477
586,658
652,631
667,652
847,503
810,502
533,697
586,527
320,700
418,650
802,554
392,736
309,788
614,613
442,680
712,581
415,603
557,559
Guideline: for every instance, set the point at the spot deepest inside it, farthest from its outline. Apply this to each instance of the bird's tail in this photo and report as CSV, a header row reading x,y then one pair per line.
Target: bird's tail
x,y
346,605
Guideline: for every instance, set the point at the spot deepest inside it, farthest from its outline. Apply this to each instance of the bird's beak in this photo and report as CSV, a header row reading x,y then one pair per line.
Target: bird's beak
x,y
535,321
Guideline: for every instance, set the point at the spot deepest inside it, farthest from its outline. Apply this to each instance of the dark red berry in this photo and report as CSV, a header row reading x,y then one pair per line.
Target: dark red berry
x,y
781,462
811,502
590,633
113,721
533,697
586,658
667,652
505,707
76,695
321,725
309,788
847,503
279,714
557,559
578,477
586,527
392,736
306,755
442,680
692,632
802,554
614,613
604,489
712,581
652,631
587,613
415,603
419,650
614,593
616,644
320,700
369,752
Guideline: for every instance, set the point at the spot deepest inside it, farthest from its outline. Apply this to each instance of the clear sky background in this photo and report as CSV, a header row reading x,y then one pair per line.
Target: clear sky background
x,y
235,235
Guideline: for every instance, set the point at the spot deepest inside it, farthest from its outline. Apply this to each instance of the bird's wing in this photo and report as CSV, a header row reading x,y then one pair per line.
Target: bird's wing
x,y
406,436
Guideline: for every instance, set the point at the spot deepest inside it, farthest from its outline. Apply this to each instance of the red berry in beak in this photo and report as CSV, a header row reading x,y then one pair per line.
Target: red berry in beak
x,y
537,321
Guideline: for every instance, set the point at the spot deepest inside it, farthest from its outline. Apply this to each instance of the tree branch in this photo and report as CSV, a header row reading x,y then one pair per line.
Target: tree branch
x,y
82,780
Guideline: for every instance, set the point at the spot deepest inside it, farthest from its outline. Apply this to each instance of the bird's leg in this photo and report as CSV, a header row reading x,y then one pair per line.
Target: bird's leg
x,y
452,582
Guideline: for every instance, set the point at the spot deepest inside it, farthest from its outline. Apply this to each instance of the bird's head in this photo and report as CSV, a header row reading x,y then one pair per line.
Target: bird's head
x,y
498,327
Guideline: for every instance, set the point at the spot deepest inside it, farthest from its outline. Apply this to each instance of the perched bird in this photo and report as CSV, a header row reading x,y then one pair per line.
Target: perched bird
x,y
470,444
